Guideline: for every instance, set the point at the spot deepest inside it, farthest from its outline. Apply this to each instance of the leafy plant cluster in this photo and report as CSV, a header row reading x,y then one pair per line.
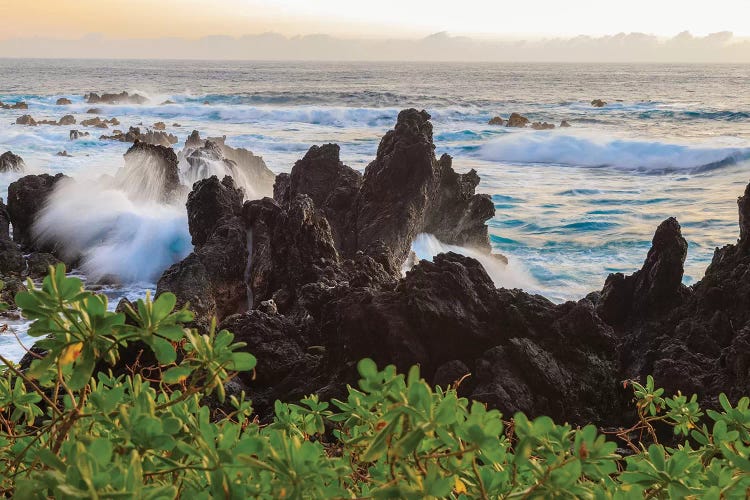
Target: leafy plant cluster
x,y
70,428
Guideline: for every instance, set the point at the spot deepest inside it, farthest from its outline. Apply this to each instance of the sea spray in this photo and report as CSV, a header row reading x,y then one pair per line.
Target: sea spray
x,y
510,275
113,235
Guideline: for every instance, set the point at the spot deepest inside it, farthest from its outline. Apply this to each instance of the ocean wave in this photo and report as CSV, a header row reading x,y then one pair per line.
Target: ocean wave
x,y
581,151
510,275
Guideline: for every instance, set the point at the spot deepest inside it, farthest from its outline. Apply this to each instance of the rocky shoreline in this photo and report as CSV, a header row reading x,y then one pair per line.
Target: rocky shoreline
x,y
311,279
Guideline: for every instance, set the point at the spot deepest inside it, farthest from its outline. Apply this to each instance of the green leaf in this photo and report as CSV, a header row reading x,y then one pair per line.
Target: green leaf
x,y
164,350
176,374
242,362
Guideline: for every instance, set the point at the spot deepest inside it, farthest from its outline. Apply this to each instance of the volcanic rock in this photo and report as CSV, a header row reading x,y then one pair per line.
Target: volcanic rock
x,y
67,120
26,197
516,120
121,98
26,120
542,126
10,162
150,172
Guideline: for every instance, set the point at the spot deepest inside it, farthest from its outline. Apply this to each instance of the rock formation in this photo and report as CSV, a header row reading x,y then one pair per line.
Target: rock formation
x,y
18,105
248,169
76,134
564,124
598,103
26,197
134,134
496,121
26,120
67,120
150,173
121,98
63,101
10,162
516,120
542,126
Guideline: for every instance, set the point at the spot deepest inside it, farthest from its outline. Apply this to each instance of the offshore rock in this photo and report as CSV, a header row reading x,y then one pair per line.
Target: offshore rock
x,y
598,103
63,101
516,120
247,169
496,121
10,162
150,172
121,98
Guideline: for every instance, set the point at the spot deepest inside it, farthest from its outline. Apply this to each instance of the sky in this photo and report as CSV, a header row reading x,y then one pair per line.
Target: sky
x,y
32,27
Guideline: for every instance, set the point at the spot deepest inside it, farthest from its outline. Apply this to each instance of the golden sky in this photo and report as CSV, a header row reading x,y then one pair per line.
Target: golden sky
x,y
369,18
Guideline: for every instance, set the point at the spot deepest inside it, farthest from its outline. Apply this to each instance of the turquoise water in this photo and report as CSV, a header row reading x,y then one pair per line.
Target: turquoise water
x,y
572,205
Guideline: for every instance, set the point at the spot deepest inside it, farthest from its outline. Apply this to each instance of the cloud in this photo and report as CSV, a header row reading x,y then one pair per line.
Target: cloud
x,y
721,47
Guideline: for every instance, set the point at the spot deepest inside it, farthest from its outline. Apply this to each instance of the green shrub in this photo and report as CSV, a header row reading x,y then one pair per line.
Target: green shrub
x,y
70,430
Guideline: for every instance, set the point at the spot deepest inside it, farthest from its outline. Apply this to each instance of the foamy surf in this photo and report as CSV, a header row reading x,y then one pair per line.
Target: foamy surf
x,y
596,151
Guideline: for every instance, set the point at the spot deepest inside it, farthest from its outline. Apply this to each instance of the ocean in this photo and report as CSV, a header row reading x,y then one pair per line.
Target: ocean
x,y
572,204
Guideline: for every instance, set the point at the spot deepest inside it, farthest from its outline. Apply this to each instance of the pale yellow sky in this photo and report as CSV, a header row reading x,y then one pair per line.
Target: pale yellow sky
x,y
382,18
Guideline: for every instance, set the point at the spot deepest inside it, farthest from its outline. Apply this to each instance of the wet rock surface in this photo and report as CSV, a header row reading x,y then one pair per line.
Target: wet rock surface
x,y
26,197
10,162
121,98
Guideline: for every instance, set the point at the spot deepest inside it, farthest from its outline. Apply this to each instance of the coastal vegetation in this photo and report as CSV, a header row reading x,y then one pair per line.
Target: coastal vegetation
x,y
78,422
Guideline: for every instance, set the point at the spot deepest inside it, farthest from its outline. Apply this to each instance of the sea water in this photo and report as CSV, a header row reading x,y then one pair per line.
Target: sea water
x,y
571,204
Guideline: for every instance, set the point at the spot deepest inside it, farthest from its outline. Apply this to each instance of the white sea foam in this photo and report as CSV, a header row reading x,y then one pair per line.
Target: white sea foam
x,y
510,275
116,236
592,151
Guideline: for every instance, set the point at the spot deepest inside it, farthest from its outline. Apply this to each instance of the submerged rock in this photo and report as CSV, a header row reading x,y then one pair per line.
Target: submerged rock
x,y
64,154
10,162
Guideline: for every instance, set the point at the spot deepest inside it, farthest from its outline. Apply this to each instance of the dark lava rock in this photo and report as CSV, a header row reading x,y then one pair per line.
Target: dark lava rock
x,y
141,160
26,197
407,191
212,278
333,187
38,264
10,162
